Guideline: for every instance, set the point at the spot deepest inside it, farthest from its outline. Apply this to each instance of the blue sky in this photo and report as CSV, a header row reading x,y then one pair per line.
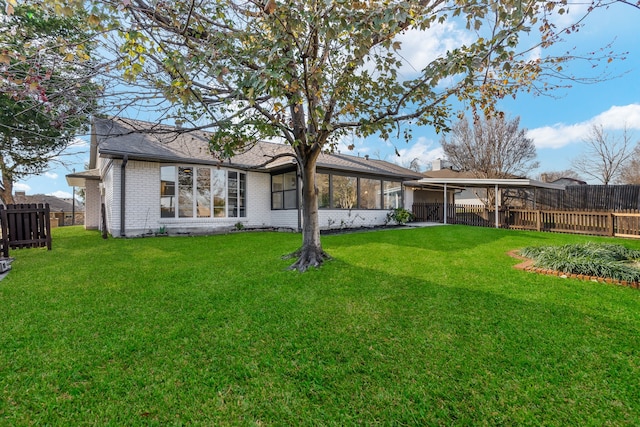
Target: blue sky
x,y
557,124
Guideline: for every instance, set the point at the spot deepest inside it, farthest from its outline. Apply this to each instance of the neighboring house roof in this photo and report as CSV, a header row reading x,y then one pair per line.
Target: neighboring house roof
x,y
447,173
452,173
56,204
117,138
569,181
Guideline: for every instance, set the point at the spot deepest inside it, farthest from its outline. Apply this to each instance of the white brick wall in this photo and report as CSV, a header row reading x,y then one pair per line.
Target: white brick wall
x,y
407,198
330,219
92,205
142,198
258,200
284,218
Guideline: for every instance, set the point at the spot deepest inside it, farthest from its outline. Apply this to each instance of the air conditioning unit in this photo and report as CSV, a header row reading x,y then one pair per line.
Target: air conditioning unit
x,y
5,265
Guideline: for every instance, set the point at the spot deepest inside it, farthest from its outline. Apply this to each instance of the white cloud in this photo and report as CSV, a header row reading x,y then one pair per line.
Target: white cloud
x,y
60,194
20,186
573,14
617,117
560,134
360,146
51,175
419,48
424,150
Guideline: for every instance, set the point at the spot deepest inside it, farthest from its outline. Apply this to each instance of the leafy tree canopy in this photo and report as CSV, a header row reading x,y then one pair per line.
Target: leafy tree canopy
x,y
46,88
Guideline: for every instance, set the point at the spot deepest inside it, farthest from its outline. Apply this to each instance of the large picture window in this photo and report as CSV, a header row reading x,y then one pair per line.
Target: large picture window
x,y
236,194
345,191
218,189
350,192
369,194
202,192
167,192
392,194
284,191
322,183
185,192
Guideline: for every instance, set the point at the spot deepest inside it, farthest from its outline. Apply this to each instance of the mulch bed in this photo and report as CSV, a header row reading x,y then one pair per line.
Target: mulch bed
x,y
527,265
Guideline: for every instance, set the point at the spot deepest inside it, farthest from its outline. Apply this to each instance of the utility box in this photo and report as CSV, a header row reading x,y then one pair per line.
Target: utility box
x,y
5,265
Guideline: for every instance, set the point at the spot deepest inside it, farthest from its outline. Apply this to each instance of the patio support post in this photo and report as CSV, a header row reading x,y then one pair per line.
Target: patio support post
x,y
497,216
445,202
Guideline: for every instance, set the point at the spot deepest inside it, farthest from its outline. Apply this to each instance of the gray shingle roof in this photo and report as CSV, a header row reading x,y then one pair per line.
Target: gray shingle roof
x,y
161,143
56,204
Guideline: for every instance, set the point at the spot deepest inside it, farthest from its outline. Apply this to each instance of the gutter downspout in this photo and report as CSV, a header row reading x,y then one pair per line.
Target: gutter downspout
x,y
123,181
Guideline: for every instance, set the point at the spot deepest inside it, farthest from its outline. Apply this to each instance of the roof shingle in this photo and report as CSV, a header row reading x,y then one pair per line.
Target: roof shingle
x,y
154,142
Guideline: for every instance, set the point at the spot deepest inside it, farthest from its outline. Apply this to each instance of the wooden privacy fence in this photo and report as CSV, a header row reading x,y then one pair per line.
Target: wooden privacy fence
x,y
600,198
618,224
24,226
456,214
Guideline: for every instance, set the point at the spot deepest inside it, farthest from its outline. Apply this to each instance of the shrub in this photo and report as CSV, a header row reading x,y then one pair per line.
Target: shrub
x,y
399,216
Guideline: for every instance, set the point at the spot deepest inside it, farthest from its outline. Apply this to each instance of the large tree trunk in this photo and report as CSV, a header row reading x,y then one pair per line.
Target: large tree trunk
x,y
6,195
311,253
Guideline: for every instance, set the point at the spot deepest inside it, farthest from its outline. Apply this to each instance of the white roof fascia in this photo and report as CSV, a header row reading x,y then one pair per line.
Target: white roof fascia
x,y
484,182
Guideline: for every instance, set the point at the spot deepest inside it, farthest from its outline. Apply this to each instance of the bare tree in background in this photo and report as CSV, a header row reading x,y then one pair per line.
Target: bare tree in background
x,y
606,155
631,173
414,165
490,147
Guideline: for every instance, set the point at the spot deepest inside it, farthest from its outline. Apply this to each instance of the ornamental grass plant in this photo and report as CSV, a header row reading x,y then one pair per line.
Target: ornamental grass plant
x,y
590,259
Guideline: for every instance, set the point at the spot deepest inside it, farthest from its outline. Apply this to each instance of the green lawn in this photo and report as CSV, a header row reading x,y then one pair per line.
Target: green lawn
x,y
427,326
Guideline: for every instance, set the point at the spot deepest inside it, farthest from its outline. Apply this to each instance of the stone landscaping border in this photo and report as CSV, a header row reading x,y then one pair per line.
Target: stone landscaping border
x,y
527,265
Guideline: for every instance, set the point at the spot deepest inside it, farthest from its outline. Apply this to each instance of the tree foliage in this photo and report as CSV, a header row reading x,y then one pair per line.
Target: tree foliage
x,y
311,72
606,155
46,89
490,147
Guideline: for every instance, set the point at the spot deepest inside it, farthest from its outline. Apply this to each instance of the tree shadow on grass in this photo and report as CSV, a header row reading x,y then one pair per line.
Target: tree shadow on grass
x,y
453,351
449,238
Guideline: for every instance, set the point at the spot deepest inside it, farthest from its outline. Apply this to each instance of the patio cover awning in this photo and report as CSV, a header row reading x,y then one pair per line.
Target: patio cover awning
x,y
484,183
79,179
457,183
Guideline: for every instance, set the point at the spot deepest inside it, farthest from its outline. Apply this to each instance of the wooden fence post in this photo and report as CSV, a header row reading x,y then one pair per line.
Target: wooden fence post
x,y
539,220
611,225
4,243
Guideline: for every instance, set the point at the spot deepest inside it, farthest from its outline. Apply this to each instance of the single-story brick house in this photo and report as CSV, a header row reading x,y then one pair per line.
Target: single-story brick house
x,y
145,177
